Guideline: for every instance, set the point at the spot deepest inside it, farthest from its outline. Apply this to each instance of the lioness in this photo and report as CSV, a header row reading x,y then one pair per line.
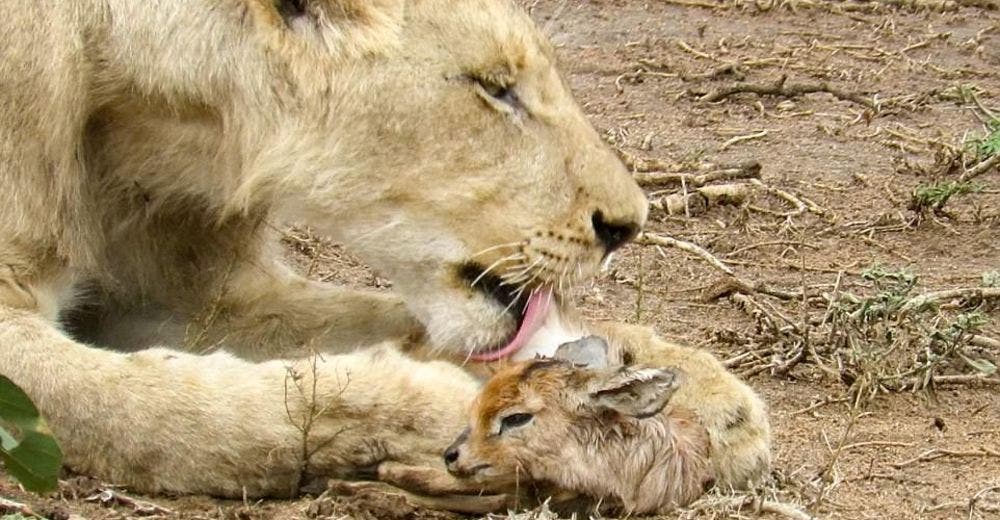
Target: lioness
x,y
147,150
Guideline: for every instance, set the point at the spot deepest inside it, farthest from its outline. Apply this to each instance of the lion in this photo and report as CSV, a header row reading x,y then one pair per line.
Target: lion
x,y
149,153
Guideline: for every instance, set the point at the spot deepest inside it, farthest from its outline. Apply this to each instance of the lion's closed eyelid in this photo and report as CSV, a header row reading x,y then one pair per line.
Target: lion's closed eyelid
x,y
501,94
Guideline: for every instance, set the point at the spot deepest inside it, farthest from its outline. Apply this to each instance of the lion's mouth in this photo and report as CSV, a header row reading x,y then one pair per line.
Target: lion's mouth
x,y
529,311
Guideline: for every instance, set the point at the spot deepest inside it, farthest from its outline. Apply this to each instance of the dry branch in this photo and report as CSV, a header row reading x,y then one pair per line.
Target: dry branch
x,y
937,453
783,88
725,194
751,503
10,507
651,239
981,168
742,138
110,497
733,285
690,203
715,173
958,379
936,297
985,342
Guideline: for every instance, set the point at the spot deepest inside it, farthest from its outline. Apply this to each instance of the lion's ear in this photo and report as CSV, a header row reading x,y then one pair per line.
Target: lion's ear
x,y
336,12
290,9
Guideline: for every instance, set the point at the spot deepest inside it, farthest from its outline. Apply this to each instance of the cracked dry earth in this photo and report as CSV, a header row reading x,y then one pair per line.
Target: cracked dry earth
x,y
904,88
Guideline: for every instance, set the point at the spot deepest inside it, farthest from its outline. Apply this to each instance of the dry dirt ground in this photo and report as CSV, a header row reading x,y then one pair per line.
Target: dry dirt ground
x,y
881,407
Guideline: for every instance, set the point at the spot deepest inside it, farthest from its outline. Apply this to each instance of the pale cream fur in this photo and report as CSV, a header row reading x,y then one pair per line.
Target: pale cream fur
x,y
148,150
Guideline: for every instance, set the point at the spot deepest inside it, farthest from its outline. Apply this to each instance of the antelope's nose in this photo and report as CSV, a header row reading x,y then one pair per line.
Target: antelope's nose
x,y
451,456
454,452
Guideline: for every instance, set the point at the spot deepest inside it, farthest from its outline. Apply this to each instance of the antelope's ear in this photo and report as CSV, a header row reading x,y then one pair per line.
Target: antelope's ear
x,y
590,352
635,391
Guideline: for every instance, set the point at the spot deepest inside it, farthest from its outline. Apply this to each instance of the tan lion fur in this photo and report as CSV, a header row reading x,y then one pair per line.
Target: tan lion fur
x,y
148,150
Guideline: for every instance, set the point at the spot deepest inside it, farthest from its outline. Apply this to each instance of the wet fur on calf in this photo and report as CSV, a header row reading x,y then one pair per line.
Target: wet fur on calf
x,y
608,435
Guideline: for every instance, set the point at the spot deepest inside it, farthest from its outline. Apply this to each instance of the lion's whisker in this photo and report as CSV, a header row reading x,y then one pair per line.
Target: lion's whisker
x,y
494,265
494,248
517,296
508,278
562,276
541,269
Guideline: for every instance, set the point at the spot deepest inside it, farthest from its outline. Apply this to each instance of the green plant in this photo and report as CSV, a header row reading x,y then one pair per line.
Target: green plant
x,y
891,339
988,144
934,196
27,449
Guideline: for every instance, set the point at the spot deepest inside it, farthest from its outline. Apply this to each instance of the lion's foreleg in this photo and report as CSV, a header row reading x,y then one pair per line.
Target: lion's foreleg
x,y
268,314
161,420
158,421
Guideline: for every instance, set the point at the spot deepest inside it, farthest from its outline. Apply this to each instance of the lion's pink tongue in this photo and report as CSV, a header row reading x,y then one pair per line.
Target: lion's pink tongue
x,y
534,316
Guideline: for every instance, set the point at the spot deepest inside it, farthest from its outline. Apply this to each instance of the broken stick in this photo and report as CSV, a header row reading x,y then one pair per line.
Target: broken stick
x,y
783,88
722,172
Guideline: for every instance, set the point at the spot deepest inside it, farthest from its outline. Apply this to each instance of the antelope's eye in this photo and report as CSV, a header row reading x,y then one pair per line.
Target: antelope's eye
x,y
515,420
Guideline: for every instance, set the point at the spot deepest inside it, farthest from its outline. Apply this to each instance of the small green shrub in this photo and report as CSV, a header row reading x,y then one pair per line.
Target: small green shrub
x,y
935,196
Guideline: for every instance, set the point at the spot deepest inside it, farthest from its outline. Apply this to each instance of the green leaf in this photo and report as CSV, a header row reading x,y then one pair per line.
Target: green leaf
x,y
7,440
35,462
15,406
29,454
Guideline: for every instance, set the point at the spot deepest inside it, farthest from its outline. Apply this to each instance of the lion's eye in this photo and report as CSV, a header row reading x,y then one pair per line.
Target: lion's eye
x,y
502,93
515,420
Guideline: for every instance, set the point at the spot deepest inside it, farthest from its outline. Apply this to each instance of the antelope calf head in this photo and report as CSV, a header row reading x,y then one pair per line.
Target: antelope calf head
x,y
607,434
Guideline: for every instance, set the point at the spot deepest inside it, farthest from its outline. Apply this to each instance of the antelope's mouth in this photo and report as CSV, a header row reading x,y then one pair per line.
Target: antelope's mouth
x,y
528,307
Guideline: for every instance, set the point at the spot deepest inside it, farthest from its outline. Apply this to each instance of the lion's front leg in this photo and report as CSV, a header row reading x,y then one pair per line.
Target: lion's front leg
x,y
154,420
165,421
257,309
275,313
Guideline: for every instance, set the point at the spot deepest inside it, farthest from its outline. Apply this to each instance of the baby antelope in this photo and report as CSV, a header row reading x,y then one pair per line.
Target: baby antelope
x,y
607,435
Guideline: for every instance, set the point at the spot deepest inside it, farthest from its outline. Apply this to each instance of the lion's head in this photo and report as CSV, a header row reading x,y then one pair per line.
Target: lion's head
x,y
448,152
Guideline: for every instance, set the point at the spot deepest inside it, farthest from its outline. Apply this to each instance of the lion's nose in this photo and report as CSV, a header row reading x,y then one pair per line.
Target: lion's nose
x,y
613,234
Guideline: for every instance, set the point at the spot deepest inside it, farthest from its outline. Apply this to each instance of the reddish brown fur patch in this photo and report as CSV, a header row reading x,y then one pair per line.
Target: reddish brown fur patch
x,y
500,392
506,388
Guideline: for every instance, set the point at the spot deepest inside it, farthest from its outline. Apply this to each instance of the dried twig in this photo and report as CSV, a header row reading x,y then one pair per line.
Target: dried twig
x,y
109,497
985,342
937,453
654,239
936,297
801,204
783,88
974,501
981,168
751,503
956,379
722,172
8,506
742,138
819,404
